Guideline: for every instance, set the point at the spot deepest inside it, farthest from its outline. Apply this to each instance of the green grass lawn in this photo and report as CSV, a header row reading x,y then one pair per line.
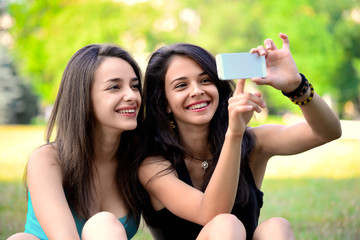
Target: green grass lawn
x,y
316,208
317,191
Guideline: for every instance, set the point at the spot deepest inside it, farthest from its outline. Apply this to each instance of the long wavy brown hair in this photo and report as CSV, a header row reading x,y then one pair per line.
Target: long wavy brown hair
x,y
74,121
161,140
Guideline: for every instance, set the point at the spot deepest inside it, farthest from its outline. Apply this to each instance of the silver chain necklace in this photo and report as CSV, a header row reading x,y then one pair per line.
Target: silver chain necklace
x,y
204,163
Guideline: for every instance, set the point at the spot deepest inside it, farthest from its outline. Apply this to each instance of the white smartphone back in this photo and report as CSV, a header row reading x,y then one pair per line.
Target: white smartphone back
x,y
240,65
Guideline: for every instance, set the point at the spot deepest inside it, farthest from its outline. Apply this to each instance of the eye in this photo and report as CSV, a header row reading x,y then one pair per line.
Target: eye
x,y
135,86
180,85
206,80
114,87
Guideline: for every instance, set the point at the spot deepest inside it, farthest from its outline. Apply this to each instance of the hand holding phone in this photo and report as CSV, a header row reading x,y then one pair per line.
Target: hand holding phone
x,y
240,65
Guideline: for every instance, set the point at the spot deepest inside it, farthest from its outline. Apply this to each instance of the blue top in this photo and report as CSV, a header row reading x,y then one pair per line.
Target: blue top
x,y
33,227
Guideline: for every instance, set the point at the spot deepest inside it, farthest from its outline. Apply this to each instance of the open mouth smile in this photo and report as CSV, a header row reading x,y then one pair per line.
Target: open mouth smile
x,y
198,106
127,111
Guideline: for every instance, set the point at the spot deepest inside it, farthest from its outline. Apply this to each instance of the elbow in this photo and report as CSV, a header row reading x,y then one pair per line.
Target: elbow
x,y
208,217
336,132
332,134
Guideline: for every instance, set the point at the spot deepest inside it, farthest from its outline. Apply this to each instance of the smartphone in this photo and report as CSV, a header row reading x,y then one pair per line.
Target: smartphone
x,y
240,65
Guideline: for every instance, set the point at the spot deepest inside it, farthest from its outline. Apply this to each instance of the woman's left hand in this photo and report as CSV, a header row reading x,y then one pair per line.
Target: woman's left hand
x,y
282,72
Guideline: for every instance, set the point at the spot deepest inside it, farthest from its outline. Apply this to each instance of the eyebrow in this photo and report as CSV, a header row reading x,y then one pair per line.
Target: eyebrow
x,y
183,78
120,80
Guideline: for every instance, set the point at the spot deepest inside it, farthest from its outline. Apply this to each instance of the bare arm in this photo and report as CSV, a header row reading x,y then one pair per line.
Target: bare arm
x,y
47,195
320,124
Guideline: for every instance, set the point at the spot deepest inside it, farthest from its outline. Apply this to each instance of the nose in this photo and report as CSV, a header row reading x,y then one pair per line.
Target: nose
x,y
196,90
130,95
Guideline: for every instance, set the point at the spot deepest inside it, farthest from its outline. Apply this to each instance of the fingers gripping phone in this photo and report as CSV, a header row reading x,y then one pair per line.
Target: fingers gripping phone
x,y
240,65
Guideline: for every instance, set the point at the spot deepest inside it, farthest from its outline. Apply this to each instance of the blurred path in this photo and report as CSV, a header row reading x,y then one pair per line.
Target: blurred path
x,y
337,159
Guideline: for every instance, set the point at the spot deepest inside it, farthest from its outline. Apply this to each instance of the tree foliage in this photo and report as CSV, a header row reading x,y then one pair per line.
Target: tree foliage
x,y
323,35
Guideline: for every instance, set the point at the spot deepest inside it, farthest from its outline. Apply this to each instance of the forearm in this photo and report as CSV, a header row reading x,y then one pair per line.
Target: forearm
x,y
221,191
322,120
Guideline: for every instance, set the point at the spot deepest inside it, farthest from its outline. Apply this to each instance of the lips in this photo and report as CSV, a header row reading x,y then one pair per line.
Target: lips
x,y
197,106
127,111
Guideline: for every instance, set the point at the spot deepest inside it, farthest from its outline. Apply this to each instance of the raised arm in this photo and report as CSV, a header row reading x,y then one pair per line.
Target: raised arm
x,y
320,125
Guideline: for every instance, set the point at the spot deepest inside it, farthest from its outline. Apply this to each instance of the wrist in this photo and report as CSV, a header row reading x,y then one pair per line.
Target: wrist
x,y
301,95
233,135
296,88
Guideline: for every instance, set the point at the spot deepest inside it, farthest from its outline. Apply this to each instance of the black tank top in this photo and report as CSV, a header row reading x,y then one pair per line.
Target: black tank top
x,y
172,227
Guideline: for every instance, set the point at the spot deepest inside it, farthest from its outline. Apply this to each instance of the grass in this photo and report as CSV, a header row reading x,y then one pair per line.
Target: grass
x,y
316,191
316,208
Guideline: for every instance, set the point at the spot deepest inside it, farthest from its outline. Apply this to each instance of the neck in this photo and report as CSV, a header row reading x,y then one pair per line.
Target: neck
x,y
106,146
195,140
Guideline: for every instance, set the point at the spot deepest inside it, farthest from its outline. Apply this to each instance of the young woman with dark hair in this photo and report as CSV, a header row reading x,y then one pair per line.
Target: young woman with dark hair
x,y
202,167
78,184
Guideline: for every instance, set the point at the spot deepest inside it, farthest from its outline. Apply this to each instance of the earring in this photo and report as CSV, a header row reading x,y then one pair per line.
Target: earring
x,y
171,124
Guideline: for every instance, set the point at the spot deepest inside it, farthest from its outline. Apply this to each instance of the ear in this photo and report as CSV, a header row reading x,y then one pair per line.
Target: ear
x,y
168,110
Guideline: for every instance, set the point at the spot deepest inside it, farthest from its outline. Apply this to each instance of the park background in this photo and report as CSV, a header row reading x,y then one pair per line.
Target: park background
x,y
317,191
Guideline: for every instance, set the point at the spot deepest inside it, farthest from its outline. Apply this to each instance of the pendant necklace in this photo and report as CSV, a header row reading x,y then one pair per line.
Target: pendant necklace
x,y
204,163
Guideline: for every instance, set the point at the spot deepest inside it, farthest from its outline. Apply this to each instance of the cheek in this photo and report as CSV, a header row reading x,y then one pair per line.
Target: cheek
x,y
174,103
138,98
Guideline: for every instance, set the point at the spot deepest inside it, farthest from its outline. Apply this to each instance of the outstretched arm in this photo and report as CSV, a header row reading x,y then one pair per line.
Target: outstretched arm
x,y
321,125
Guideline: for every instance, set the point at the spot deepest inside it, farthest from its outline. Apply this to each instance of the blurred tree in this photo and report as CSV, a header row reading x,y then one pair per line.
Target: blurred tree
x,y
18,105
323,35
47,34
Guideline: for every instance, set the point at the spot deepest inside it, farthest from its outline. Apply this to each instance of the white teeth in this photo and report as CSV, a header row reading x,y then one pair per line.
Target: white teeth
x,y
126,111
197,106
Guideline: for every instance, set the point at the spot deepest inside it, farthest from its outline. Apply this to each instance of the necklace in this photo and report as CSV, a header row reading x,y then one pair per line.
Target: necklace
x,y
204,163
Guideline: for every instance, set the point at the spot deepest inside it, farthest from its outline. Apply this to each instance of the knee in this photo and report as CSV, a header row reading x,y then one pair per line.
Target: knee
x,y
103,224
22,236
101,218
278,222
276,226
226,226
228,221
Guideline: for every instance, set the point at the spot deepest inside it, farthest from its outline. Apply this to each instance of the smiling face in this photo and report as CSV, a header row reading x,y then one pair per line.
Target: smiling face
x,y
115,95
191,94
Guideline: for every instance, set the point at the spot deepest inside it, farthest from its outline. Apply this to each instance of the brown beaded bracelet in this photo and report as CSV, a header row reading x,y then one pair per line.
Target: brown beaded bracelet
x,y
299,90
307,100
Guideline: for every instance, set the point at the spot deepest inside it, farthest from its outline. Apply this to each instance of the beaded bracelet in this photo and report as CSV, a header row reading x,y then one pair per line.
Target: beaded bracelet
x,y
307,100
300,91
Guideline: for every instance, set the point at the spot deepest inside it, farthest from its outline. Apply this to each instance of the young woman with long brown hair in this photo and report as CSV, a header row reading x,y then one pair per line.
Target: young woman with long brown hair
x,y
203,167
78,184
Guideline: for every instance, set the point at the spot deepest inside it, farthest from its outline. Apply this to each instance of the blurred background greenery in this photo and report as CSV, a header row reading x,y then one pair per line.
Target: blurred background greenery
x,y
316,190
41,36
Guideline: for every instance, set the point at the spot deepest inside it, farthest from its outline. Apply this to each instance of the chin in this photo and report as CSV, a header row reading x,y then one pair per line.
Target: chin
x,y
129,127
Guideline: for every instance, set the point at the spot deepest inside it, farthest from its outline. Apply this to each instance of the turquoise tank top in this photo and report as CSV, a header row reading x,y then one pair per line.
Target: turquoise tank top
x,y
33,227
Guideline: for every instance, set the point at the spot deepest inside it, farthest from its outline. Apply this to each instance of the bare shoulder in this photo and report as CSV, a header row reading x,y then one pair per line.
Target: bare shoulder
x,y
154,161
44,156
151,167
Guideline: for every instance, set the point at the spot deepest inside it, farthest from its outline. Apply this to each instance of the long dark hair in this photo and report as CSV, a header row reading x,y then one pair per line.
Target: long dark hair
x,y
74,120
162,140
